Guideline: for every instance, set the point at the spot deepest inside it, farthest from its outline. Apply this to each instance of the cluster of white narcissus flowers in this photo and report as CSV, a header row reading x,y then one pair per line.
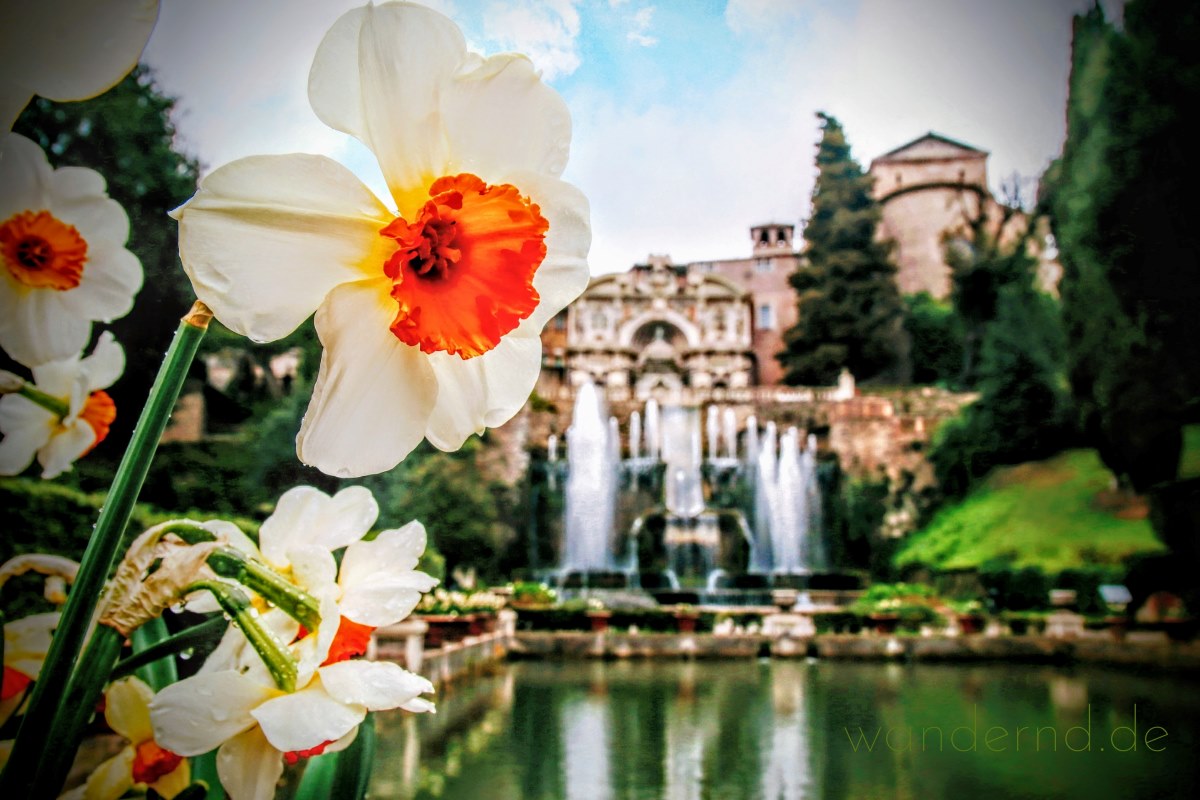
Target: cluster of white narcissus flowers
x,y
63,262
235,703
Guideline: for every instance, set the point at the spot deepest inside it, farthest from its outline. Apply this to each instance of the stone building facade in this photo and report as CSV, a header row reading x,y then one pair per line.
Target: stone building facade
x,y
929,191
681,329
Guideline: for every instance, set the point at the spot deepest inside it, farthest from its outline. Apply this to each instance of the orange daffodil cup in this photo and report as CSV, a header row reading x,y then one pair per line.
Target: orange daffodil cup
x,y
430,309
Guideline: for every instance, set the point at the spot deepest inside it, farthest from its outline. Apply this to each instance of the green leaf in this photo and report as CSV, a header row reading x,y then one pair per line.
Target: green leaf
x,y
171,645
159,672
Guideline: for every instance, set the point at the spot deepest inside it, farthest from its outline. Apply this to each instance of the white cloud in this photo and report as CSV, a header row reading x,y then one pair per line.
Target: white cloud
x,y
545,30
689,179
757,16
642,19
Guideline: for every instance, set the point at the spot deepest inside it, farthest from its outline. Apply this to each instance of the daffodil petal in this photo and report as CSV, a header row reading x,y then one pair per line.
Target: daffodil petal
x,y
29,635
377,75
379,584
105,364
57,456
481,392
391,551
111,278
563,274
112,778
198,713
265,238
35,328
373,393
25,176
81,199
304,515
375,685
27,427
501,117
314,569
304,719
419,705
174,781
66,50
249,767
127,709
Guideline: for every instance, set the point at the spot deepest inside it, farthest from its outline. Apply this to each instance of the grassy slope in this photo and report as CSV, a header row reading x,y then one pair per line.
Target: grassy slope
x,y
1043,513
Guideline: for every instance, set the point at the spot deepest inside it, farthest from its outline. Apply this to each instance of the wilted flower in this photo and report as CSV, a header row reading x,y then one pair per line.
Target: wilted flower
x,y
68,50
142,763
63,263
430,312
64,414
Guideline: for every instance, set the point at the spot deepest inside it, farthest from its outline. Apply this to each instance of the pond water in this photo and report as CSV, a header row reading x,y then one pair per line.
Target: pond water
x,y
784,730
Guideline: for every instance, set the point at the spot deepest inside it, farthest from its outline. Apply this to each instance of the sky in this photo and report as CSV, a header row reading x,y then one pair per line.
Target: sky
x,y
692,119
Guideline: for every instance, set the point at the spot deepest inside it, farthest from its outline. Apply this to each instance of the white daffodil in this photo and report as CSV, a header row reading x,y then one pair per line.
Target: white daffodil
x,y
63,414
63,262
26,642
430,310
68,50
142,763
257,727
377,584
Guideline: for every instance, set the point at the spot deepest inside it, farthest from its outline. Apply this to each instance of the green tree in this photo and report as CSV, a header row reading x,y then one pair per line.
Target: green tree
x,y
1121,198
126,135
936,334
1022,412
850,312
993,254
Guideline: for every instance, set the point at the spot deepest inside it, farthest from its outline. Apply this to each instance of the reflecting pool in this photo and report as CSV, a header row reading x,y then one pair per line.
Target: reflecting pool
x,y
783,730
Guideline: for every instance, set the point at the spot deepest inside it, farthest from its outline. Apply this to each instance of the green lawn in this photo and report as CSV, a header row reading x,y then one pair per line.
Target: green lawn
x,y
1054,514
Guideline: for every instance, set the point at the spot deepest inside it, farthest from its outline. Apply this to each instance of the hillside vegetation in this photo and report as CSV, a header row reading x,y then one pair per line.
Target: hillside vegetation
x,y
1054,514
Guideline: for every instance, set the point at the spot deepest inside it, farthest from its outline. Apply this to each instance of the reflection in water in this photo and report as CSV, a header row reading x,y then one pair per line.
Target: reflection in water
x,y
786,730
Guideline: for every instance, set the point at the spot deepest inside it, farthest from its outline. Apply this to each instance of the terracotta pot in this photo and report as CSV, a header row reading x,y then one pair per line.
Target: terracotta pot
x,y
1117,627
599,620
970,623
885,623
445,628
686,622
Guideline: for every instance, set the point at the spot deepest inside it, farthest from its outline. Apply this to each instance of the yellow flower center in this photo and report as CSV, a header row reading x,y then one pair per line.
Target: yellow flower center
x,y
462,272
41,251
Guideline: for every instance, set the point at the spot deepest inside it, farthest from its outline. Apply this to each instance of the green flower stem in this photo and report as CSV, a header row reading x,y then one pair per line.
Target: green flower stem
x,y
206,631
79,701
275,655
50,403
258,577
33,740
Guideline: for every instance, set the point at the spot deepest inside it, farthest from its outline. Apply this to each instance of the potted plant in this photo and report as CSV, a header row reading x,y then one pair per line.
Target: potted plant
x,y
599,615
969,615
685,618
530,595
884,603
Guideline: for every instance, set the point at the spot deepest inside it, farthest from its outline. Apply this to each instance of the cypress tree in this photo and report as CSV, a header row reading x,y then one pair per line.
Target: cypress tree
x,y
850,311
1121,197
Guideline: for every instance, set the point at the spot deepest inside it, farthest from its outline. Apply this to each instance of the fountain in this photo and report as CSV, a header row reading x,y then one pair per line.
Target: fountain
x,y
653,502
590,486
